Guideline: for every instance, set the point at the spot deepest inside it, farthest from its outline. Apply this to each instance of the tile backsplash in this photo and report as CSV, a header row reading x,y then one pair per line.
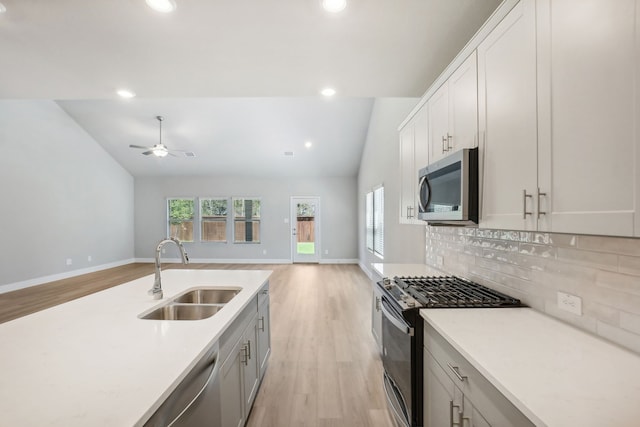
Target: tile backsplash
x,y
534,267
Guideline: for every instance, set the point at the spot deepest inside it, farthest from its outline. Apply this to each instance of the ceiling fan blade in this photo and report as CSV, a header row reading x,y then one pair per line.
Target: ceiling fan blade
x,y
138,146
146,153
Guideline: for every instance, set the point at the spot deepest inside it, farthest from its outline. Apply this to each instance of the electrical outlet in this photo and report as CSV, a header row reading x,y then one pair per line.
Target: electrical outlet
x,y
89,259
286,220
69,261
326,251
440,260
570,303
264,252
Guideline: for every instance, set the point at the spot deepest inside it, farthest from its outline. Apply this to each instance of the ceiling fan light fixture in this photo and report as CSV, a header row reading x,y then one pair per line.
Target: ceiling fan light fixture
x,y
164,6
160,150
3,9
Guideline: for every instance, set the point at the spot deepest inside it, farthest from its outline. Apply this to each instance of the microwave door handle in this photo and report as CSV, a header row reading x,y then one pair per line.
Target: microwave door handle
x,y
395,321
423,203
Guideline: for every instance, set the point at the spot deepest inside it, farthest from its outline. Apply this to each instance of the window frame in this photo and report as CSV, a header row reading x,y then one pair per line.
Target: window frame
x,y
202,220
168,218
257,219
378,221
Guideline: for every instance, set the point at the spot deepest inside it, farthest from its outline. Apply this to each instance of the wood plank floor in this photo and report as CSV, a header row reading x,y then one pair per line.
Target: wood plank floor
x,y
324,369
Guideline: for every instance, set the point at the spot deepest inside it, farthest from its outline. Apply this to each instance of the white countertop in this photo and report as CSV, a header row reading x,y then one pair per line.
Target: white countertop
x,y
393,270
555,374
93,362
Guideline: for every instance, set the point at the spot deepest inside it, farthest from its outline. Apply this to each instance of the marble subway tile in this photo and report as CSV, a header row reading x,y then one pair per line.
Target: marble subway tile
x,y
541,238
563,240
508,269
582,322
537,250
630,322
598,260
629,265
617,281
614,245
510,235
601,312
525,236
620,300
573,271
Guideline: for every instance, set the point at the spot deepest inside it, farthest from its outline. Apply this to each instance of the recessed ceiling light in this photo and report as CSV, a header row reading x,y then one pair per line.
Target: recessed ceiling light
x,y
288,153
164,6
2,8
308,144
328,91
125,93
334,6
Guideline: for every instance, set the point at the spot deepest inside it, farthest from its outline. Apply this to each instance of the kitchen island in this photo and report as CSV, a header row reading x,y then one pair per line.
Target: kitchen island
x,y
94,362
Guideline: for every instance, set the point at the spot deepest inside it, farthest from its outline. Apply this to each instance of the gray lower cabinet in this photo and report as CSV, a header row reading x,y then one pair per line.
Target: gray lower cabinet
x,y
245,349
376,313
456,394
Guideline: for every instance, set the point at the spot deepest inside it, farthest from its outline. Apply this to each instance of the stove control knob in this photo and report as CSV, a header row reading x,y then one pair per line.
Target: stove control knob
x,y
411,304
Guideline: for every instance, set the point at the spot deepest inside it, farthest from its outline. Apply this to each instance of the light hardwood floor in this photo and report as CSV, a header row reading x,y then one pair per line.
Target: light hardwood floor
x,y
324,369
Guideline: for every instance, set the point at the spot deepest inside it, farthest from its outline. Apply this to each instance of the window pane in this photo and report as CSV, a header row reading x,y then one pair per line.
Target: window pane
x,y
180,213
369,220
378,221
246,224
213,217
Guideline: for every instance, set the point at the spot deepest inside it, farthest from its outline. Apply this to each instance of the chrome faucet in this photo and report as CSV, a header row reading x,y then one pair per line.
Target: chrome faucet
x,y
156,291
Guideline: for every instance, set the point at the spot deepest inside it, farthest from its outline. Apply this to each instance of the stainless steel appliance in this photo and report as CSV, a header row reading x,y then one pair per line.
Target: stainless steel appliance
x,y
448,189
402,332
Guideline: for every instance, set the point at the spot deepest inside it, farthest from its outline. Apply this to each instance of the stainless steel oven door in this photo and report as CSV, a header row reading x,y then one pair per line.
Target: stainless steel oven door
x,y
396,359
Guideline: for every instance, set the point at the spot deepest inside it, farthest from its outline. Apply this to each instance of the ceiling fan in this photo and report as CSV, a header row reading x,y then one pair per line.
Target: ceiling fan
x,y
159,149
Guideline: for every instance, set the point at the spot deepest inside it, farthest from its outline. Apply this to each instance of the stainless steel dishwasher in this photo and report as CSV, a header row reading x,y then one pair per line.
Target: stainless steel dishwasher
x,y
196,400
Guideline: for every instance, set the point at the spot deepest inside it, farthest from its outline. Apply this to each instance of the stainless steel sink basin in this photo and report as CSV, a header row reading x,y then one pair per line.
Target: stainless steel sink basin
x,y
182,312
207,296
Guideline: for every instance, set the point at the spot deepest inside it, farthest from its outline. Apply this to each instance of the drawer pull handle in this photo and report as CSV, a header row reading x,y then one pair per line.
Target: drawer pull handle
x,y
456,372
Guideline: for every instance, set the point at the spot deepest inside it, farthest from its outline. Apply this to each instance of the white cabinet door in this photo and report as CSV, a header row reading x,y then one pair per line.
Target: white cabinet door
x,y
443,401
231,386
420,149
589,116
407,168
438,111
264,336
250,373
463,106
507,120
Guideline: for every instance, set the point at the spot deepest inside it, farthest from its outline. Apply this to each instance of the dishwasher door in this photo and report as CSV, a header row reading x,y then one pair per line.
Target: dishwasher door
x,y
196,400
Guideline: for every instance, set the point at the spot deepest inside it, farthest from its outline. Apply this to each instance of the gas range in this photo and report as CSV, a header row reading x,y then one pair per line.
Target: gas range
x,y
402,329
445,292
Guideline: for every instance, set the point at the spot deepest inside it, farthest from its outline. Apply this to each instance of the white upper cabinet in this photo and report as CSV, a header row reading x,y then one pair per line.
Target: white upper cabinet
x,y
414,155
453,112
589,117
507,121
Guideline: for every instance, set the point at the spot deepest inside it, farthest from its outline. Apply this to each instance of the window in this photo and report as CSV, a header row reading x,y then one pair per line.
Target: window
x,y
246,220
369,220
378,221
374,218
180,219
213,219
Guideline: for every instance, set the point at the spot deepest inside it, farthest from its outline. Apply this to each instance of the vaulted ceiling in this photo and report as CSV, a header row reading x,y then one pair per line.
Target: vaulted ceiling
x,y
237,81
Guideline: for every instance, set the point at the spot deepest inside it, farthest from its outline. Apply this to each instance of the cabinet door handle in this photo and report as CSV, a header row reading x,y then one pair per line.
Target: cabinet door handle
x,y
261,324
246,355
409,214
377,303
452,408
456,372
539,195
444,139
449,141
249,349
525,196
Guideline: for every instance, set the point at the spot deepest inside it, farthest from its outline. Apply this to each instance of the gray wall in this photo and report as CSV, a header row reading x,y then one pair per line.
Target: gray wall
x,y
62,197
337,227
379,165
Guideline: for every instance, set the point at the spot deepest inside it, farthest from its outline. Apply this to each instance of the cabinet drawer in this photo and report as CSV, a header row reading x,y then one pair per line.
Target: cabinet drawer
x,y
490,402
263,294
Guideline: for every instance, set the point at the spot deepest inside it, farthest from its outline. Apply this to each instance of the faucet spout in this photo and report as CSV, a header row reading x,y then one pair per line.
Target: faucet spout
x,y
156,291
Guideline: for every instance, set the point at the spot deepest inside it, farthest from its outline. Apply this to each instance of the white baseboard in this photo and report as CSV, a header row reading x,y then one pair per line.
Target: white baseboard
x,y
339,261
219,261
367,271
67,274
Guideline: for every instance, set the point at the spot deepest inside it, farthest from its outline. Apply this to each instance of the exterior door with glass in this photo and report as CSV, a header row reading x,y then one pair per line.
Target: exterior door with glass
x,y
305,229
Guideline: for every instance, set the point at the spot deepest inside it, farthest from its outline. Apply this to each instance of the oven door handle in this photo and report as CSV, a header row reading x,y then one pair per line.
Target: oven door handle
x,y
398,323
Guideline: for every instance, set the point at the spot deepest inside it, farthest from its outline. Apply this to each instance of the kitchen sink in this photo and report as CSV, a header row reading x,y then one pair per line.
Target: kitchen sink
x,y
183,312
206,296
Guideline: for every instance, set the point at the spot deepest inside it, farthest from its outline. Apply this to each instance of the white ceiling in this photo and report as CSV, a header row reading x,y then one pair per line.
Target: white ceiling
x,y
237,81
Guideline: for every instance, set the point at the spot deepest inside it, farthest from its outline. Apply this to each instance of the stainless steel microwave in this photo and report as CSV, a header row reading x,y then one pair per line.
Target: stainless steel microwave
x,y
448,189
